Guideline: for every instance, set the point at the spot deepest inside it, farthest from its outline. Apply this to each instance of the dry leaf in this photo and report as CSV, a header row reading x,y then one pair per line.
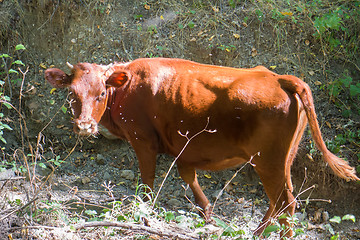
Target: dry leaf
x,y
147,7
211,38
307,42
237,36
310,157
287,13
42,65
328,124
311,73
318,83
254,52
272,67
215,9
207,175
52,90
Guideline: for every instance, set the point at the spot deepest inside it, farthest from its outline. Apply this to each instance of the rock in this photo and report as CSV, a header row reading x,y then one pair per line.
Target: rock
x,y
100,159
174,203
85,180
127,174
8,173
44,171
301,216
325,216
107,176
216,193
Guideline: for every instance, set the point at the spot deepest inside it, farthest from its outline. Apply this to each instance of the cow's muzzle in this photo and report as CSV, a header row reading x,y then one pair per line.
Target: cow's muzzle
x,y
85,128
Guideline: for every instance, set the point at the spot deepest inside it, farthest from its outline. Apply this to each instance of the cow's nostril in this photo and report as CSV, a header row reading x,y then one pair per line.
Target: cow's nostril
x,y
85,127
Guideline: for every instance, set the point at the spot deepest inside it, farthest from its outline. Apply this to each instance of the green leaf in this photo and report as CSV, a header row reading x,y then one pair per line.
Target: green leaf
x,y
7,105
64,109
335,219
1,137
19,47
90,212
4,55
354,90
349,217
329,228
42,165
227,229
346,80
121,218
169,216
270,229
18,62
5,126
191,24
13,71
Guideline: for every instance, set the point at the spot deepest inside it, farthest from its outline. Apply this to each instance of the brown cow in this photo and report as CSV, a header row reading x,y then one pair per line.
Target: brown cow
x,y
256,113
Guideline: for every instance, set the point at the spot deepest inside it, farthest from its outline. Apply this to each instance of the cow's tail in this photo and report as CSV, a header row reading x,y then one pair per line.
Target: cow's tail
x,y
340,167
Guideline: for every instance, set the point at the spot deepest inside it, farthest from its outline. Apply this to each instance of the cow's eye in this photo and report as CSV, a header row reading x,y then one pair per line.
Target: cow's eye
x,y
101,96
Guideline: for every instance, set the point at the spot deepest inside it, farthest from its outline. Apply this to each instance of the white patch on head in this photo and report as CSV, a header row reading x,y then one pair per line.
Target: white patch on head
x,y
164,73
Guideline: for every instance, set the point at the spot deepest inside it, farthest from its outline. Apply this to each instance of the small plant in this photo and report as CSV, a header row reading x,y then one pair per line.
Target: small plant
x,y
260,15
227,48
228,230
152,30
350,89
233,3
8,74
55,161
338,220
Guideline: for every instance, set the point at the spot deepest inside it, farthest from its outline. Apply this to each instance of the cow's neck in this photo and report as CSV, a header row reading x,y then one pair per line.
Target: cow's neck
x,y
107,124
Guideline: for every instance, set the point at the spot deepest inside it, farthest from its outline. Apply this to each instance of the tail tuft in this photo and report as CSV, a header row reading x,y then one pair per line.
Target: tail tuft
x,y
340,167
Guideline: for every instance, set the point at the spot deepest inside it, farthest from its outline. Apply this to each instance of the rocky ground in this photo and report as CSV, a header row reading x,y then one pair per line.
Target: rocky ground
x,y
75,170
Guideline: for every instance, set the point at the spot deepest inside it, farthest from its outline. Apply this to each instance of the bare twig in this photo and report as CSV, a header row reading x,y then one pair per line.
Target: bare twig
x,y
228,182
20,98
140,228
182,150
19,209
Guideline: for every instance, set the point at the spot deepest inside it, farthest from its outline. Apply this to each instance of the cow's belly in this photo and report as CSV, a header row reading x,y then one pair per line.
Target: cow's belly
x,y
220,165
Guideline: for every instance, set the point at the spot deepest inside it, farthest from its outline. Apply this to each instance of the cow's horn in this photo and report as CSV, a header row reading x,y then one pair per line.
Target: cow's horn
x,y
69,65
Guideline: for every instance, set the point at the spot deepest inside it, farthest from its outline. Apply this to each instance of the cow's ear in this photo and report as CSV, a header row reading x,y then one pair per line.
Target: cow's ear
x,y
118,78
57,78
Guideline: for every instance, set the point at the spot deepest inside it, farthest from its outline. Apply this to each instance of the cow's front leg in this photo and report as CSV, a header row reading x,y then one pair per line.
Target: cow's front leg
x,y
147,165
188,174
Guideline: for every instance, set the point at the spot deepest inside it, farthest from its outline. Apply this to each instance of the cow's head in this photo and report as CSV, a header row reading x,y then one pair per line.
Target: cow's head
x,y
88,86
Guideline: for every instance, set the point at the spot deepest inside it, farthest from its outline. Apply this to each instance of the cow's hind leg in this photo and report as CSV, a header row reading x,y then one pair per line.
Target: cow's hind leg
x,y
275,174
281,199
188,174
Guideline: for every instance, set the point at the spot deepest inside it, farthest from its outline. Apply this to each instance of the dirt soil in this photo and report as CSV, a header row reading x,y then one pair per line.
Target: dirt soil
x,y
56,32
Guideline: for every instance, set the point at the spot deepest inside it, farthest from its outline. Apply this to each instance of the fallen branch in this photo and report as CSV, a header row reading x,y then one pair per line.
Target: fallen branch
x,y
136,227
19,209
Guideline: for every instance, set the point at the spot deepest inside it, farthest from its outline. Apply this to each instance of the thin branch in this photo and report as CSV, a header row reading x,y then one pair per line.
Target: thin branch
x,y
19,209
136,227
228,182
182,150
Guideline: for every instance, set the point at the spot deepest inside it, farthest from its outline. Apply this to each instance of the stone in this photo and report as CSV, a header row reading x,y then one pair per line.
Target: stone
x,y
100,159
85,180
174,203
127,174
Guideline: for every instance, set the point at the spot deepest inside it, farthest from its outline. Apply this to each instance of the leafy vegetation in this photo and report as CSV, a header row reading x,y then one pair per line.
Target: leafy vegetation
x,y
8,76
